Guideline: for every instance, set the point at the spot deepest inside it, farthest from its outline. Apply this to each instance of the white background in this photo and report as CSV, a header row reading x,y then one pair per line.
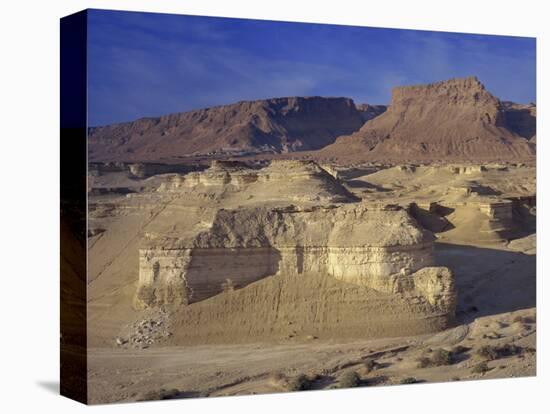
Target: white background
x,y
29,191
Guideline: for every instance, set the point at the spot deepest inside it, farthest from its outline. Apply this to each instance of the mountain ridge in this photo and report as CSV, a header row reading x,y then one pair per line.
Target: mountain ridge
x,y
455,119
276,125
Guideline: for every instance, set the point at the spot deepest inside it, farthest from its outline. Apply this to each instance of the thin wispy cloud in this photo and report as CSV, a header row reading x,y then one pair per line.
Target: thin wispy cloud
x,y
144,64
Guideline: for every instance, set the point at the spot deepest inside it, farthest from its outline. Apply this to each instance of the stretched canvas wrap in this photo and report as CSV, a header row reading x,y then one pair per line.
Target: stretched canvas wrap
x,y
261,207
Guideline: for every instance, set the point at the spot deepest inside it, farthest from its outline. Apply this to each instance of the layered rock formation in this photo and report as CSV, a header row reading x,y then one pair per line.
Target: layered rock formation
x,y
376,247
280,181
456,119
272,125
239,253
139,169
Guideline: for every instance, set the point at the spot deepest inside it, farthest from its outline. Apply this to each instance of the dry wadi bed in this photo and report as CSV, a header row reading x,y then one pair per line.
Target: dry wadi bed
x,y
218,370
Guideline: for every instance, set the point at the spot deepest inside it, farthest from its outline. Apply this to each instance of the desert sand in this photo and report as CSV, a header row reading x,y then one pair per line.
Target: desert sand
x,y
371,260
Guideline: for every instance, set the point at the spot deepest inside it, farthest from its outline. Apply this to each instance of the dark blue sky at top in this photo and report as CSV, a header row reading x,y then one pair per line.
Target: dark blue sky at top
x,y
146,64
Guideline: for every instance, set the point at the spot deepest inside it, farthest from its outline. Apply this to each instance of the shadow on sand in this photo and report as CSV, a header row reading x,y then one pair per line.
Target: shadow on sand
x,y
366,185
489,281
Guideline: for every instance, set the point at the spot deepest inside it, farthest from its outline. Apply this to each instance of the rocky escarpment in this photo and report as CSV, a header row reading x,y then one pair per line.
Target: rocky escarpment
x,y
271,125
456,119
369,112
139,169
522,119
381,248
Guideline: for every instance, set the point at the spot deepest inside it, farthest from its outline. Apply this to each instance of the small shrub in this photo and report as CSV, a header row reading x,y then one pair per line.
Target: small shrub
x,y
299,383
480,368
455,379
511,349
437,358
424,362
488,352
442,357
408,380
161,394
349,379
492,352
370,365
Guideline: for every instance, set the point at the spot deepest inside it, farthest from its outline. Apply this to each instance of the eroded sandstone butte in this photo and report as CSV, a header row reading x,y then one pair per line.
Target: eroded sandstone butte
x,y
376,247
271,125
362,268
456,119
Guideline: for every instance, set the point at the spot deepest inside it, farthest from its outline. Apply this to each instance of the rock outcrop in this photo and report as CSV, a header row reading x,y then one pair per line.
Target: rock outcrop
x,y
280,181
456,119
139,169
272,125
376,247
522,119
369,112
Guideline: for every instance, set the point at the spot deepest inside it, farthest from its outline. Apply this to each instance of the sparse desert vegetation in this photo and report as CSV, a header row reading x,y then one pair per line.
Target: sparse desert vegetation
x,y
349,379
480,368
299,382
492,352
408,380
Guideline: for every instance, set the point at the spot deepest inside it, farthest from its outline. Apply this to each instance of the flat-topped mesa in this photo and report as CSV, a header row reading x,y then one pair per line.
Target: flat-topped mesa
x,y
457,90
376,247
456,94
281,181
454,120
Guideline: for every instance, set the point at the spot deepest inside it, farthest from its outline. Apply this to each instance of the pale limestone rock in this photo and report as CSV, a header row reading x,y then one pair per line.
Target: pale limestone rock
x,y
437,285
380,247
296,181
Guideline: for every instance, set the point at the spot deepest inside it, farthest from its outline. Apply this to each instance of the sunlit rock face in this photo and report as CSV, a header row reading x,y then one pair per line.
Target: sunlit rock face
x,y
280,181
380,247
454,120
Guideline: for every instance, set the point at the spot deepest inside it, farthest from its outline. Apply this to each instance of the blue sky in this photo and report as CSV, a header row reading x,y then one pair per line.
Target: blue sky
x,y
145,64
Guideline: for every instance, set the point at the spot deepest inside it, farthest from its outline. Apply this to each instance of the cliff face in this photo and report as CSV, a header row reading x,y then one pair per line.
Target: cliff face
x,y
272,125
369,112
521,119
376,247
456,119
